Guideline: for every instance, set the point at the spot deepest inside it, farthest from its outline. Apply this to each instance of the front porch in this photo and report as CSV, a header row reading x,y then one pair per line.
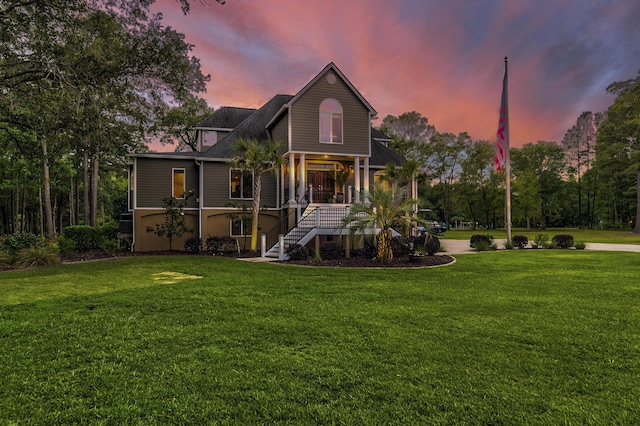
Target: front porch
x,y
314,179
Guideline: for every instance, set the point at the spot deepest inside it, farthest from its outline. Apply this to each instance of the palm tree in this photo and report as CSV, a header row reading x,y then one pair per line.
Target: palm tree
x,y
383,210
257,157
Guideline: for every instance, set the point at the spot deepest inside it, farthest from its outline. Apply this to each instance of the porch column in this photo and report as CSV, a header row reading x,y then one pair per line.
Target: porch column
x,y
292,178
356,177
366,174
301,177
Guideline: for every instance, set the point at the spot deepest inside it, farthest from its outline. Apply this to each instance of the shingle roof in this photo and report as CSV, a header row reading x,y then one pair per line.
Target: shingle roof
x,y
226,118
380,154
377,134
253,126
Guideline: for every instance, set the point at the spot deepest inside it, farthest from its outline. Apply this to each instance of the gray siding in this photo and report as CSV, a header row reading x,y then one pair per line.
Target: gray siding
x,y
216,187
154,179
280,132
305,115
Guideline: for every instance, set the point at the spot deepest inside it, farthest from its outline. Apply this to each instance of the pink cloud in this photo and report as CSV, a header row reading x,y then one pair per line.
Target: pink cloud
x,y
442,59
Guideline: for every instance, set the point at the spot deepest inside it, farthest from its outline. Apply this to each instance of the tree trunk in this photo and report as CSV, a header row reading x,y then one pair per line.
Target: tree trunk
x,y
257,186
47,190
85,169
94,192
72,202
636,228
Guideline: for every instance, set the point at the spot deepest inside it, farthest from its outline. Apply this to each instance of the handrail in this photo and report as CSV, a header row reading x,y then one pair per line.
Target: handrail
x,y
280,228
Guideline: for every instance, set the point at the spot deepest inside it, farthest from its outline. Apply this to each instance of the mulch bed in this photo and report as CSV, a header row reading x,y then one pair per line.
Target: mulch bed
x,y
351,262
363,262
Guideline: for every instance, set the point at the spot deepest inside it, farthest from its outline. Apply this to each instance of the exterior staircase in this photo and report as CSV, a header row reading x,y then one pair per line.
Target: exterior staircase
x,y
317,219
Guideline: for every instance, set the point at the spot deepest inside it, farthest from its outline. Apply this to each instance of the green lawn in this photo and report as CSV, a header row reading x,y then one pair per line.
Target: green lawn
x,y
518,337
584,235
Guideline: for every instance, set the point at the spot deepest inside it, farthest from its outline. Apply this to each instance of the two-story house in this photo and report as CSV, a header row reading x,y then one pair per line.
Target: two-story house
x,y
323,129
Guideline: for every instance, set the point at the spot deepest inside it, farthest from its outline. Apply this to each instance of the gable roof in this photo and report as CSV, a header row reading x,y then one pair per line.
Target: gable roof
x,y
335,69
226,118
254,126
332,66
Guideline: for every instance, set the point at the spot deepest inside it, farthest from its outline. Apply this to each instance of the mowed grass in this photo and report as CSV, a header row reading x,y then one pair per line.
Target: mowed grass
x,y
584,235
519,337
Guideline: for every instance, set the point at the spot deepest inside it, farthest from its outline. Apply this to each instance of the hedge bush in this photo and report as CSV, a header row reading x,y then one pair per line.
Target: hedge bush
x,y
13,243
427,243
401,246
109,231
297,252
220,244
480,239
193,245
85,237
330,250
563,241
5,260
520,241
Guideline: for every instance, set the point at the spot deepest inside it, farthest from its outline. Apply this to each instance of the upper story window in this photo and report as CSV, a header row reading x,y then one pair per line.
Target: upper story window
x,y
209,137
178,183
240,185
330,121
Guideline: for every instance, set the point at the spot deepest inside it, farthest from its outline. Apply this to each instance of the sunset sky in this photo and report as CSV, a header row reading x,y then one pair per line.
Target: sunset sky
x,y
441,58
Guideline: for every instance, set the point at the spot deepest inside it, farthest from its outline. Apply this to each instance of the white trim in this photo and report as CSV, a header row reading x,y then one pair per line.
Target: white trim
x,y
231,234
331,117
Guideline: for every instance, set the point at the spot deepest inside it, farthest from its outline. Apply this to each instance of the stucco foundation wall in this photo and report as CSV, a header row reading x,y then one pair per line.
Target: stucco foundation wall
x,y
217,222
149,241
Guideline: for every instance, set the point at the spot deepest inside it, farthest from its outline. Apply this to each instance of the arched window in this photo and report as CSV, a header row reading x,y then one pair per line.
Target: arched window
x,y
330,121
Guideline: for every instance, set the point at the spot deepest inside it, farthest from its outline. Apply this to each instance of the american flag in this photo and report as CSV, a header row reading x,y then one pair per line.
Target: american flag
x,y
502,139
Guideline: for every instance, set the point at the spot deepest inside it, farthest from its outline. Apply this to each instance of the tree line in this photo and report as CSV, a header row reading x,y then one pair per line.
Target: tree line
x,y
591,179
85,82
82,84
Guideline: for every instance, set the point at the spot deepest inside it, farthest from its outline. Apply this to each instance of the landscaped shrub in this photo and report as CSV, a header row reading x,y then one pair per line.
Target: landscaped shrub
x,y
563,241
540,241
66,245
220,245
520,241
84,236
193,245
297,252
428,244
480,239
5,260
580,245
109,247
330,250
368,251
401,246
109,231
37,257
15,242
481,242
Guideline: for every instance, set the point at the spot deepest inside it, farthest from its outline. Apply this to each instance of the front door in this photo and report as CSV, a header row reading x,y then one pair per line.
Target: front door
x,y
322,185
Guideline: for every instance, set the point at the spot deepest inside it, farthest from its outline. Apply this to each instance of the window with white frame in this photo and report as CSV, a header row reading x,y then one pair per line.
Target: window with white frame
x,y
241,227
330,121
178,183
240,185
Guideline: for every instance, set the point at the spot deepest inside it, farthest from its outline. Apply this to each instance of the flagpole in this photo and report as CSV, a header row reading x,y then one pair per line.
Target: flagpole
x,y
507,157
